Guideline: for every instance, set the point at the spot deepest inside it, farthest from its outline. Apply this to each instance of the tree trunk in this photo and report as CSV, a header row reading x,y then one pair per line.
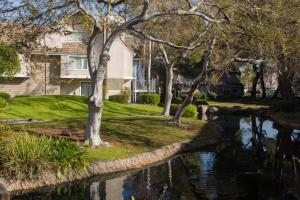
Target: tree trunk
x,y
95,104
263,86
149,68
285,76
169,94
169,82
255,81
201,77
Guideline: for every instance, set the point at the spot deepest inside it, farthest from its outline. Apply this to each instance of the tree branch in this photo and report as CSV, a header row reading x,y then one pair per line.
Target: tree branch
x,y
161,41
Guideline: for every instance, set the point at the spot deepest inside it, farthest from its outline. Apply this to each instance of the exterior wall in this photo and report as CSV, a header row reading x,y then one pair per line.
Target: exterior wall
x,y
115,86
71,87
35,84
120,63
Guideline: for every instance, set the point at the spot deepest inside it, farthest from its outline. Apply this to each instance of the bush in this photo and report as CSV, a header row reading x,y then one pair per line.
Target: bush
x,y
4,95
153,99
284,105
199,95
9,60
119,98
123,98
3,103
190,112
66,156
25,156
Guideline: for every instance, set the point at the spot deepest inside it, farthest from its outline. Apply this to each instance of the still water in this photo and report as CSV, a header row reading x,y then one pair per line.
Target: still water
x,y
257,160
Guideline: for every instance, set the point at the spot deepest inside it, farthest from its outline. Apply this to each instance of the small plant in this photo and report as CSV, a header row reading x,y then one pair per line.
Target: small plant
x,y
190,112
24,156
152,99
4,95
119,98
66,156
199,95
284,105
3,103
123,98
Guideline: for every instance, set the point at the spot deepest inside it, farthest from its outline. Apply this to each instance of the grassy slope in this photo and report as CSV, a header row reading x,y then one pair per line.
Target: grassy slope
x,y
131,128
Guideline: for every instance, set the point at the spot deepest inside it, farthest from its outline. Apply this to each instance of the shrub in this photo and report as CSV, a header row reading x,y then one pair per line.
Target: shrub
x,y
123,98
24,156
199,95
9,60
119,98
153,99
4,95
190,112
66,156
3,103
284,105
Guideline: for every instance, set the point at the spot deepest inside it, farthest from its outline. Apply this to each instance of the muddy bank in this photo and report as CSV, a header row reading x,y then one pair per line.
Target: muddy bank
x,y
99,168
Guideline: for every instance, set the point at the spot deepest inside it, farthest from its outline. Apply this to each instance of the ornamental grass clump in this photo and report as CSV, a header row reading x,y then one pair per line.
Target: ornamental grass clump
x,y
26,156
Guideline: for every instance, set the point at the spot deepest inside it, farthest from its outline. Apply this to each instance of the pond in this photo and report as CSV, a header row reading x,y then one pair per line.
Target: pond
x,y
257,160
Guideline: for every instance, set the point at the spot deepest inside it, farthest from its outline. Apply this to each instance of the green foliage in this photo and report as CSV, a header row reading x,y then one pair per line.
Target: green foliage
x,y
3,103
4,95
190,112
152,99
66,156
199,95
284,105
9,61
122,98
25,156
119,98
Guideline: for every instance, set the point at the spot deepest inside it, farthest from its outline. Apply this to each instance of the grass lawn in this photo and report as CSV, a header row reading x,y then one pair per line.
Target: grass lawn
x,y
131,129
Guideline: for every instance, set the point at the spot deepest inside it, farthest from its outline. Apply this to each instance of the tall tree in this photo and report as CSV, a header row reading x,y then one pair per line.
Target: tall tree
x,y
46,13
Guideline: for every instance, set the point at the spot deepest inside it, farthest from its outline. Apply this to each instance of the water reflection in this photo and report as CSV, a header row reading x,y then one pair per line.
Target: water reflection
x,y
257,160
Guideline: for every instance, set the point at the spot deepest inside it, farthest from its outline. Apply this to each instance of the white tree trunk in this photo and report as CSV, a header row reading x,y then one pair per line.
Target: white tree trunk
x,y
95,104
149,67
169,94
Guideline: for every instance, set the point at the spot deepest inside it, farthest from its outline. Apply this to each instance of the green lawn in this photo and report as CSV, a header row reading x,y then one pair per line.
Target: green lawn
x,y
131,128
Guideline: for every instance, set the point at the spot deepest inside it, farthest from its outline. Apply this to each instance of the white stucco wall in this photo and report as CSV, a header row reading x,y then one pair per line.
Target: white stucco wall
x,y
120,63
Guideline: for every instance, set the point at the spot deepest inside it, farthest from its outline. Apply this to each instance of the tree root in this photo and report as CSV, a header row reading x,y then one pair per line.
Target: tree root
x,y
178,124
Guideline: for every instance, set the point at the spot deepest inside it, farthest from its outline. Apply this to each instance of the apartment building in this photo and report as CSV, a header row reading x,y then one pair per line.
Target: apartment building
x,y
58,66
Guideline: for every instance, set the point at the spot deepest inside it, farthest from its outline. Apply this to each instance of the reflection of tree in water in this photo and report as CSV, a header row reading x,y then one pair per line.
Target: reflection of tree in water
x,y
286,159
164,182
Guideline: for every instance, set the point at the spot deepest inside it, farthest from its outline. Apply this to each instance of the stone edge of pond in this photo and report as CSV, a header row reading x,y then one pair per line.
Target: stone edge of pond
x,y
284,122
100,168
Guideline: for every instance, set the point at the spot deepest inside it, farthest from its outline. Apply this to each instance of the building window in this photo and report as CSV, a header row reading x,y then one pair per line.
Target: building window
x,y
86,89
76,37
76,62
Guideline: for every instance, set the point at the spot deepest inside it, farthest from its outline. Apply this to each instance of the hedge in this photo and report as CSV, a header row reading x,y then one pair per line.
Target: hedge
x,y
4,95
3,103
119,98
190,112
153,99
